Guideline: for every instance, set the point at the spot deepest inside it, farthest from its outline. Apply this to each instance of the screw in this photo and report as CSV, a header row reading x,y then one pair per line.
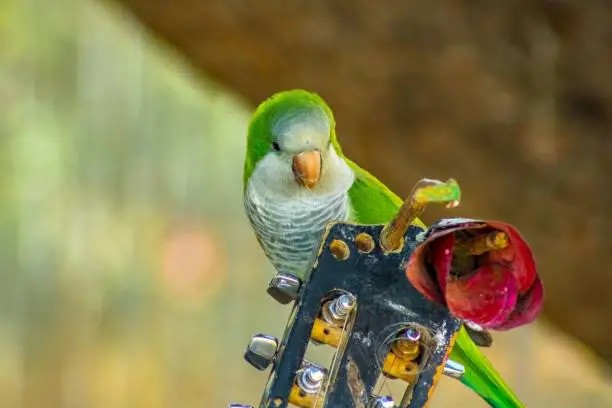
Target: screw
x,y
407,344
412,334
453,369
382,402
310,379
336,310
342,305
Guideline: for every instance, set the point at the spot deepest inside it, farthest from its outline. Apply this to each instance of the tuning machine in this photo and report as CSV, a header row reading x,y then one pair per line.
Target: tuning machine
x,y
407,353
453,369
309,382
261,351
284,288
333,318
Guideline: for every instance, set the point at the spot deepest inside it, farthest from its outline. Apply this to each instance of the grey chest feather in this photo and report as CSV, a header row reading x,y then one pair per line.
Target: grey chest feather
x,y
289,230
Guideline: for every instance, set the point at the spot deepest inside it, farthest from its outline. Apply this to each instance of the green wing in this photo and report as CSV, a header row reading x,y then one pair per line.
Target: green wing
x,y
373,203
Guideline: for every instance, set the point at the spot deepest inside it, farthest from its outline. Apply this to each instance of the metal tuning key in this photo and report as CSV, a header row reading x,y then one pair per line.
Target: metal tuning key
x,y
332,319
284,287
261,351
309,381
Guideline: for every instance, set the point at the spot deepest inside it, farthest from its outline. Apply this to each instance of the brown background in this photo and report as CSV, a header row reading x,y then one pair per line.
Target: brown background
x,y
512,98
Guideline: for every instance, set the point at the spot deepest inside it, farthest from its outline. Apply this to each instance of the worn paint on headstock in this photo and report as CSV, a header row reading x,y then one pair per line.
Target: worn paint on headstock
x,y
386,302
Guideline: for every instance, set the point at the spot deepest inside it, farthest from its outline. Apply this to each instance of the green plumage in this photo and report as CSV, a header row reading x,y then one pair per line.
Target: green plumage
x,y
372,203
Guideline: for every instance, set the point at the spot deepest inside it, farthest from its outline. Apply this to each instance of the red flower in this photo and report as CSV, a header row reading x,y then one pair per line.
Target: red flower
x,y
497,289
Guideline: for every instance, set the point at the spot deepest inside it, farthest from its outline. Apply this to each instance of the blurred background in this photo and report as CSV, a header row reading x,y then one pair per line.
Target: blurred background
x,y
129,276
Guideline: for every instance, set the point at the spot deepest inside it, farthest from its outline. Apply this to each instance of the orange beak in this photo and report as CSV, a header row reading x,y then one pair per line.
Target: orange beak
x,y
307,168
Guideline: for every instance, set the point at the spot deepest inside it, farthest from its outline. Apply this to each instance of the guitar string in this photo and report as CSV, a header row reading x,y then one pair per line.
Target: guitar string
x,y
381,385
333,362
385,384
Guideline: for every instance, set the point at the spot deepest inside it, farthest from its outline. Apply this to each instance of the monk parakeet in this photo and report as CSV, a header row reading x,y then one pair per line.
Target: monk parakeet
x,y
296,180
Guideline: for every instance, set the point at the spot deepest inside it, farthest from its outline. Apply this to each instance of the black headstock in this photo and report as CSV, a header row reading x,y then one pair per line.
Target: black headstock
x,y
358,301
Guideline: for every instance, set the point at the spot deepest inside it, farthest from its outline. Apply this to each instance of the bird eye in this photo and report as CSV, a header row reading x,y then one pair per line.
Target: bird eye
x,y
275,146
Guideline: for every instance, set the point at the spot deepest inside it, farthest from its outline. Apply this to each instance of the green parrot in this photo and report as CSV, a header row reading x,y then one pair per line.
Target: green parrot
x,y
297,180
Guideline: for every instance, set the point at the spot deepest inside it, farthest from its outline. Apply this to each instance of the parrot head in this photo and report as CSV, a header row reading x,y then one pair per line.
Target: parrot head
x,y
292,144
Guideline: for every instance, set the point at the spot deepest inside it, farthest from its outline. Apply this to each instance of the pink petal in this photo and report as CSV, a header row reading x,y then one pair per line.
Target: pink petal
x,y
527,308
487,296
518,254
416,270
504,292
441,253
420,277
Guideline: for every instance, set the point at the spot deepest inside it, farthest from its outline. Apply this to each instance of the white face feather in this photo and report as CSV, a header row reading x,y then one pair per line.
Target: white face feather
x,y
288,217
273,175
302,131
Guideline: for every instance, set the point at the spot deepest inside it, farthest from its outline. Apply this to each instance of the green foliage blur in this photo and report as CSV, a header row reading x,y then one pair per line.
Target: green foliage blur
x,y
129,276
127,266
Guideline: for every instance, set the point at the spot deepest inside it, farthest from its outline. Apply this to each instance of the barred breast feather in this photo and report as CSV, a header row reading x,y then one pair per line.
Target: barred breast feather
x,y
289,229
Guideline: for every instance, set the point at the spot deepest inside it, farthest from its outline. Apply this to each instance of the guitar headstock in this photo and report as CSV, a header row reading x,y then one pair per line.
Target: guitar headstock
x,y
358,301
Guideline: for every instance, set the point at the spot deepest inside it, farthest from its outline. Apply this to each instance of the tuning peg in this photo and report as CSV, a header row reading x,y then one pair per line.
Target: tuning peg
x,y
310,378
337,310
478,334
453,369
308,383
407,344
382,402
261,351
334,314
284,288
